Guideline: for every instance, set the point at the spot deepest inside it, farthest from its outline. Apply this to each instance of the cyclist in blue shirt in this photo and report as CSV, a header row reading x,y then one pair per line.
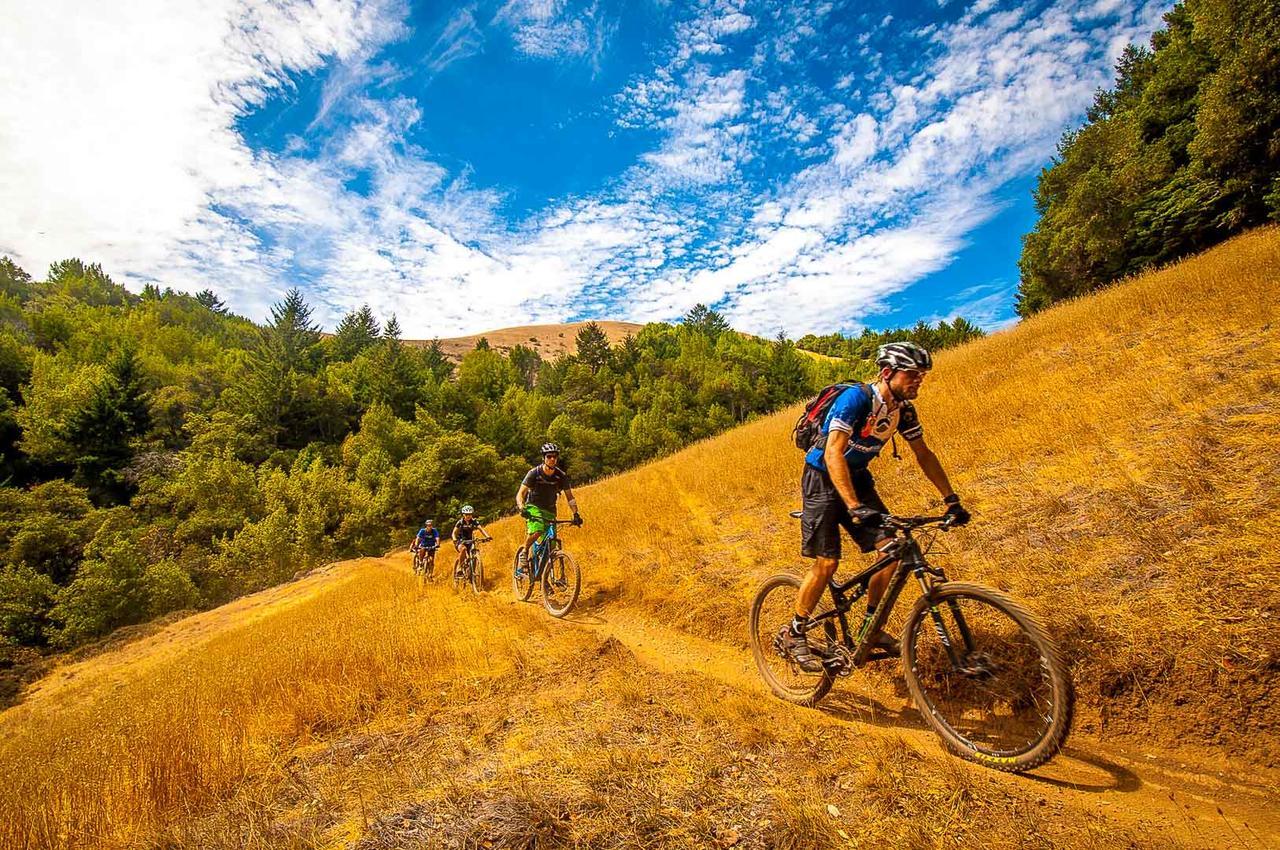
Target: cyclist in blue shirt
x,y
839,491
427,539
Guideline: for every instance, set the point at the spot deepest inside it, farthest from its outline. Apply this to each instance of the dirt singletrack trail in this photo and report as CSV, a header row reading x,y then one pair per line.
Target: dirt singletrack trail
x,y
1177,796
1193,804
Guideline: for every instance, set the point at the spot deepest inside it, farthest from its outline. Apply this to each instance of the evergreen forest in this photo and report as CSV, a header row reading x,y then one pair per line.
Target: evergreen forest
x,y
1181,153
158,453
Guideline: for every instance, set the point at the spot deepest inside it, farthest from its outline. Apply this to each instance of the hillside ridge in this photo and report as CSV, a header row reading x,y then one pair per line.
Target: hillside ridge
x,y
416,717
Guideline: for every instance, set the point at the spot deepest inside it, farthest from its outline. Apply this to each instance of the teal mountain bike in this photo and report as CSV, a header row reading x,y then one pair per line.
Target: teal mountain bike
x,y
553,568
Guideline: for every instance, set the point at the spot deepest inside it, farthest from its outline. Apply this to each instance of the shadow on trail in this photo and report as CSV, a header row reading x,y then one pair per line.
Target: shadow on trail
x,y
861,708
1077,770
1073,769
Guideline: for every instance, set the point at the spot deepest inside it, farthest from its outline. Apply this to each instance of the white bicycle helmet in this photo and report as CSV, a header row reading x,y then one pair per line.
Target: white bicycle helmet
x,y
904,355
467,510
550,448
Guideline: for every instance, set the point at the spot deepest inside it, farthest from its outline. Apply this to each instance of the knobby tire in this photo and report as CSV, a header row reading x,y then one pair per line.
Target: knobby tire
x,y
561,583
775,601
1054,681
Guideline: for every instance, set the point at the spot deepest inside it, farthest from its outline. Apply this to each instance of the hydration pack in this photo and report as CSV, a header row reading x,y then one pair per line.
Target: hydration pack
x,y
807,433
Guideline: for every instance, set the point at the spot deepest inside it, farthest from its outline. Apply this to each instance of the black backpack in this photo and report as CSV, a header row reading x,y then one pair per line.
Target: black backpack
x,y
807,432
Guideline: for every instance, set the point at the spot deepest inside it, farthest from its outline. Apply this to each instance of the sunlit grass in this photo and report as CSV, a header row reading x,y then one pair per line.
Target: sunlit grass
x,y
1119,453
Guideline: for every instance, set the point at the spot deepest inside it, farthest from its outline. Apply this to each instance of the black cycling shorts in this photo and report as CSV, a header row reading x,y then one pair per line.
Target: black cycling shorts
x,y
824,514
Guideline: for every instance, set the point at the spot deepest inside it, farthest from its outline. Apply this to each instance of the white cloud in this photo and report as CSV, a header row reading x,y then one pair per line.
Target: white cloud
x,y
124,150
116,130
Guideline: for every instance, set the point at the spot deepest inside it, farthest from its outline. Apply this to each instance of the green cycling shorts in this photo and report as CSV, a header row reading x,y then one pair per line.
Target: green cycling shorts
x,y
539,522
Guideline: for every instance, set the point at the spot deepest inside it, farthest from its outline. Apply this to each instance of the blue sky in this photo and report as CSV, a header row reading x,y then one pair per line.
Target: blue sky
x,y
804,166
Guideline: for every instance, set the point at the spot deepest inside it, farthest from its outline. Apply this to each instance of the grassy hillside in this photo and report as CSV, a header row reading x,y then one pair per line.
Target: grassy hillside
x,y
550,341
1120,455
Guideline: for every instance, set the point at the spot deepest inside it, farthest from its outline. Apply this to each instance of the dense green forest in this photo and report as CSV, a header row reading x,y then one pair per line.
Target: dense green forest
x,y
160,454
1181,153
862,348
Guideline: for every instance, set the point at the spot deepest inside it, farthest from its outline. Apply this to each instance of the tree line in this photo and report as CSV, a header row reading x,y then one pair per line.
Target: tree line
x,y
860,351
1181,153
158,453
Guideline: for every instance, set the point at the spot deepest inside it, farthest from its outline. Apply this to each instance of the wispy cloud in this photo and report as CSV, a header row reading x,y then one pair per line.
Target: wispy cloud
x,y
790,204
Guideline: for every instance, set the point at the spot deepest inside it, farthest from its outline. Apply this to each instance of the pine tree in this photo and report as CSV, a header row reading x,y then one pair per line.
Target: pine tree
x,y
593,346
356,332
705,320
101,434
392,330
210,301
288,354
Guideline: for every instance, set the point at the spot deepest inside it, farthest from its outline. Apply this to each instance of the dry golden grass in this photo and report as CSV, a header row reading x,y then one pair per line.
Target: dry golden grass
x,y
1123,485
120,757
376,715
548,340
1121,454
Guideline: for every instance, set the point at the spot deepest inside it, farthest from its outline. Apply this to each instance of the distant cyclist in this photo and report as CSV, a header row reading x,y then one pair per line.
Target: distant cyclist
x,y
427,540
464,531
536,498
839,492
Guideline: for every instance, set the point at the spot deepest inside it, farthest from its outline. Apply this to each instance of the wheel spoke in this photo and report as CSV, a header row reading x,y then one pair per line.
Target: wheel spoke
x,y
998,699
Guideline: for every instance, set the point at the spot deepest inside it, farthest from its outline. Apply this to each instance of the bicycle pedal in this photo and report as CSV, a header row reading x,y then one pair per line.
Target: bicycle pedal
x,y
879,655
838,667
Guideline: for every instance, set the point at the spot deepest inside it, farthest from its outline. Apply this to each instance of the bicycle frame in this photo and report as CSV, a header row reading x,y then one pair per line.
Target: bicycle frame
x,y
911,560
543,547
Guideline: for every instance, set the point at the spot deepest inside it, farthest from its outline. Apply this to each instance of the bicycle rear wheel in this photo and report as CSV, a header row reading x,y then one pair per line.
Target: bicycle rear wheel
x,y
995,689
561,583
521,577
477,573
460,573
772,610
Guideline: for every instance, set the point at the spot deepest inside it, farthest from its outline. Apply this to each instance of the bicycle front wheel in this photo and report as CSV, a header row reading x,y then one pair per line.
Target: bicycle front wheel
x,y
477,573
771,611
561,583
460,574
521,577
987,678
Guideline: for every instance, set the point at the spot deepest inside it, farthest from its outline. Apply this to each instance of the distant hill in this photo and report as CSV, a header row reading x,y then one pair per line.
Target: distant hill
x,y
548,340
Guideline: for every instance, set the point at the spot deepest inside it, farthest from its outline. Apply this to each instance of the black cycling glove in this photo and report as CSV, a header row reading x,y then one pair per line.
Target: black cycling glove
x,y
863,515
526,513
577,518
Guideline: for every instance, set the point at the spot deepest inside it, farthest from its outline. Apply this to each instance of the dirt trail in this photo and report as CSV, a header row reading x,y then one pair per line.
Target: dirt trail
x,y
1194,805
1176,796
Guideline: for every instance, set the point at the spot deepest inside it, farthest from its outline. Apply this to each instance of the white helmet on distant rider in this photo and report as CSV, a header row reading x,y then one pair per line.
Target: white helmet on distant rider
x,y
550,449
467,510
904,355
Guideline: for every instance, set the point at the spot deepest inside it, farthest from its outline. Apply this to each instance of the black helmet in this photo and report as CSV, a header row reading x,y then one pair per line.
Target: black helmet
x,y
550,449
904,355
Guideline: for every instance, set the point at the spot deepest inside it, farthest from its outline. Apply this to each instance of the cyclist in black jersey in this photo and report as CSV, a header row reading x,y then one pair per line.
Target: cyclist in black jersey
x,y
464,531
536,498
839,492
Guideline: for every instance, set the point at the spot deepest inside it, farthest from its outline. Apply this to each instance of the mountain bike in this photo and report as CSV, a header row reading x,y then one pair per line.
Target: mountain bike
x,y
424,564
471,570
551,566
979,667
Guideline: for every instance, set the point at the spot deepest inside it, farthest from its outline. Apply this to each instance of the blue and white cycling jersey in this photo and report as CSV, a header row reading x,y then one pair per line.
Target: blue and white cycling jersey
x,y
428,539
861,413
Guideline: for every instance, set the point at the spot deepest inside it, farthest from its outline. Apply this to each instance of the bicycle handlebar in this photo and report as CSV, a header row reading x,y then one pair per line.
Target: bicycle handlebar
x,y
906,523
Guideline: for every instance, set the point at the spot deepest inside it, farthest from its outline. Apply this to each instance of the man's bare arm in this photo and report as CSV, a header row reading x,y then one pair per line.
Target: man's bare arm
x,y
568,497
521,495
931,466
838,468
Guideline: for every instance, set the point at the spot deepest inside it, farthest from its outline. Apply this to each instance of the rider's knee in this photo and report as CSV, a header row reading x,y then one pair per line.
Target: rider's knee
x,y
826,567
